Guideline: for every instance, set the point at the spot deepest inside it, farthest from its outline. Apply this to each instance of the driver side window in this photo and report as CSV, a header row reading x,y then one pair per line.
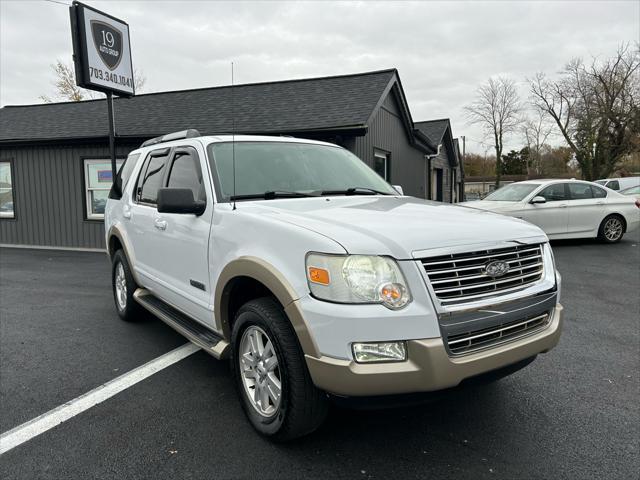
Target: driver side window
x,y
185,173
554,193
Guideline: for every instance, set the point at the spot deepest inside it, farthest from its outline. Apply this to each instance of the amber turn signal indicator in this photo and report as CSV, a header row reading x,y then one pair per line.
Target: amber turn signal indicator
x,y
319,275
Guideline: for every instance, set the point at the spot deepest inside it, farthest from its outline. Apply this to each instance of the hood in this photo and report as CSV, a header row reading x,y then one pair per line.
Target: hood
x,y
492,206
395,226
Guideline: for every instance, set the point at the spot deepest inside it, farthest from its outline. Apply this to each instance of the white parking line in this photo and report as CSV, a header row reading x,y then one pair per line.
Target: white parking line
x,y
58,415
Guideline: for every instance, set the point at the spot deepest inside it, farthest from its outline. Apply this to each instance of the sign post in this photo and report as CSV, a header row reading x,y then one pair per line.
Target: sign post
x,y
112,137
102,60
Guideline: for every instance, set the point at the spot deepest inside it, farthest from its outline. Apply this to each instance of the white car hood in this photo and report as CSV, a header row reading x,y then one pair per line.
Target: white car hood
x,y
396,226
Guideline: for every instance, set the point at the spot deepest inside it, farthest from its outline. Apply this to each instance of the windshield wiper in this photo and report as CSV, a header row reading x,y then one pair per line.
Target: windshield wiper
x,y
355,191
271,194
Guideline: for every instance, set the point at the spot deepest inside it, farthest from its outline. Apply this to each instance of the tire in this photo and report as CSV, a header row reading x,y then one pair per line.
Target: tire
x,y
611,229
301,407
126,306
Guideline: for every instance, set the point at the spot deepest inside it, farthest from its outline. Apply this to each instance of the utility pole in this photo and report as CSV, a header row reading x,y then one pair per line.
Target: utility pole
x,y
464,158
464,148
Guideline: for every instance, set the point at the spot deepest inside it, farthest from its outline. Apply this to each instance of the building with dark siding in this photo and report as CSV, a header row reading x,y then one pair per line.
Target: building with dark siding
x,y
54,158
445,169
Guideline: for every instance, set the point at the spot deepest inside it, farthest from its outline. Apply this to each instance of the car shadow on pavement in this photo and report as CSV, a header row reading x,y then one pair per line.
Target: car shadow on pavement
x,y
431,437
628,238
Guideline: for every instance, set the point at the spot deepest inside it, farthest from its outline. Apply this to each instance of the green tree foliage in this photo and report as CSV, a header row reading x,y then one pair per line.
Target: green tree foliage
x,y
515,162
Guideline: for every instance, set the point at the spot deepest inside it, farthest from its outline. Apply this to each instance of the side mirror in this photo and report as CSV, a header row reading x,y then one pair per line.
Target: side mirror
x,y
179,200
538,199
399,189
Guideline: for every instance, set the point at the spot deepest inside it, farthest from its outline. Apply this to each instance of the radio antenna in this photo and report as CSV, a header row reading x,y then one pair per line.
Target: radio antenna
x,y
233,138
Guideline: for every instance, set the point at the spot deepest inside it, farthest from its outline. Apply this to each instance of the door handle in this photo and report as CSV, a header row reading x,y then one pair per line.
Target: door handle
x,y
564,205
599,203
160,224
126,211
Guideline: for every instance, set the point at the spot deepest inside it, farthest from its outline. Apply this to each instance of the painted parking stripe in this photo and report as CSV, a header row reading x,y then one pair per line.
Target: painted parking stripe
x,y
58,415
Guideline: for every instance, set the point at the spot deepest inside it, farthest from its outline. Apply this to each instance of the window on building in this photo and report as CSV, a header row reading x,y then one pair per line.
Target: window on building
x,y
97,181
185,173
6,191
381,164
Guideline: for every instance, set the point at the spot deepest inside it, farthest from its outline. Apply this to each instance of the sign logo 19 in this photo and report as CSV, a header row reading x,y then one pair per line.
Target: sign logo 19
x,y
108,43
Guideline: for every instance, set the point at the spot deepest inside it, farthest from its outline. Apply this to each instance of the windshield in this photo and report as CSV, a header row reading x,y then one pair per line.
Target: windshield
x,y
515,192
291,167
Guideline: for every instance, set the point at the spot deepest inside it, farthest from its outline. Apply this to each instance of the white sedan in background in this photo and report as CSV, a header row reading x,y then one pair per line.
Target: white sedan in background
x,y
566,208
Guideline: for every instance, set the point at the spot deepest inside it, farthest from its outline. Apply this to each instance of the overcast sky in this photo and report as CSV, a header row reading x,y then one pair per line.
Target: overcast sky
x,y
443,50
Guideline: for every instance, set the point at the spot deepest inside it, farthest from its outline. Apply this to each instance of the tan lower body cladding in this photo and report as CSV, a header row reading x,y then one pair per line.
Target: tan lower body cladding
x,y
429,366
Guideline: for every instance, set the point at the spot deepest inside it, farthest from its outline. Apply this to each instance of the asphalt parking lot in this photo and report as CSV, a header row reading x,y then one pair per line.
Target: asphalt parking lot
x,y
573,413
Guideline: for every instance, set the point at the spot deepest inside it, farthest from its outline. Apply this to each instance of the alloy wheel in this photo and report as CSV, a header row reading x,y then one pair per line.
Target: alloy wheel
x,y
613,229
260,371
120,283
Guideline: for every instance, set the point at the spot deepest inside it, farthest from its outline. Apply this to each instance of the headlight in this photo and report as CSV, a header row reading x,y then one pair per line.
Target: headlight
x,y
357,279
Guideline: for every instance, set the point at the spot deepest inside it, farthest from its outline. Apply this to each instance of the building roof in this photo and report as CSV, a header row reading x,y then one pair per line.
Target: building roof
x,y
434,129
314,104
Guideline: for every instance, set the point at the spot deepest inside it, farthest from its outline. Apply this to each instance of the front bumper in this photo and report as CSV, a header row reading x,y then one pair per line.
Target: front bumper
x,y
429,367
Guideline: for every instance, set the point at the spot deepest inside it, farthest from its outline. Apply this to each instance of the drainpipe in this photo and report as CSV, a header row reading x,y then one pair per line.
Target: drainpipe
x,y
428,159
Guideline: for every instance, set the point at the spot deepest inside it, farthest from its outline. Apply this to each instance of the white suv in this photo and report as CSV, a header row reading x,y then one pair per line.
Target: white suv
x,y
317,279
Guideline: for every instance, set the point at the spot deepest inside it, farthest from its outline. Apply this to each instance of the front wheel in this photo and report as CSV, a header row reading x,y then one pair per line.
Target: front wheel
x,y
271,375
611,229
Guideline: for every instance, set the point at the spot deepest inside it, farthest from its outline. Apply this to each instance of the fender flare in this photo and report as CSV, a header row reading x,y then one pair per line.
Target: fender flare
x,y
265,273
114,231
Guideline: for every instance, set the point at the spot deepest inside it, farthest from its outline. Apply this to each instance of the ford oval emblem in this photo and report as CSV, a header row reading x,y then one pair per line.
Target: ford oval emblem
x,y
496,268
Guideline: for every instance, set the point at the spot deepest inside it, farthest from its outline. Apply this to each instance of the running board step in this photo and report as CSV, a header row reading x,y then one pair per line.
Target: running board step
x,y
194,331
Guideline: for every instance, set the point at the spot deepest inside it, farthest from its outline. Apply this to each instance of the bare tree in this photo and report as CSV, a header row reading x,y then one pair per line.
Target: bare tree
x,y
497,109
536,130
67,90
595,108
65,84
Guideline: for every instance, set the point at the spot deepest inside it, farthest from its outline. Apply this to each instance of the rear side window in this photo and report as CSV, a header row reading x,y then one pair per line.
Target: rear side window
x,y
580,191
554,193
125,171
598,192
151,177
614,185
185,173
123,175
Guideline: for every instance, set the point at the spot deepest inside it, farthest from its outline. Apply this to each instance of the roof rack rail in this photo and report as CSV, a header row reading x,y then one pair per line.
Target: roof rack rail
x,y
190,133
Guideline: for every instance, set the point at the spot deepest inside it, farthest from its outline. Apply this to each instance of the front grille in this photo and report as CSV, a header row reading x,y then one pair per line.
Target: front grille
x,y
461,277
472,341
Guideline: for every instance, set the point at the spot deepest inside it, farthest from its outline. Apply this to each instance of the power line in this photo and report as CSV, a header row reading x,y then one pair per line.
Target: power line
x,y
59,3
481,142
